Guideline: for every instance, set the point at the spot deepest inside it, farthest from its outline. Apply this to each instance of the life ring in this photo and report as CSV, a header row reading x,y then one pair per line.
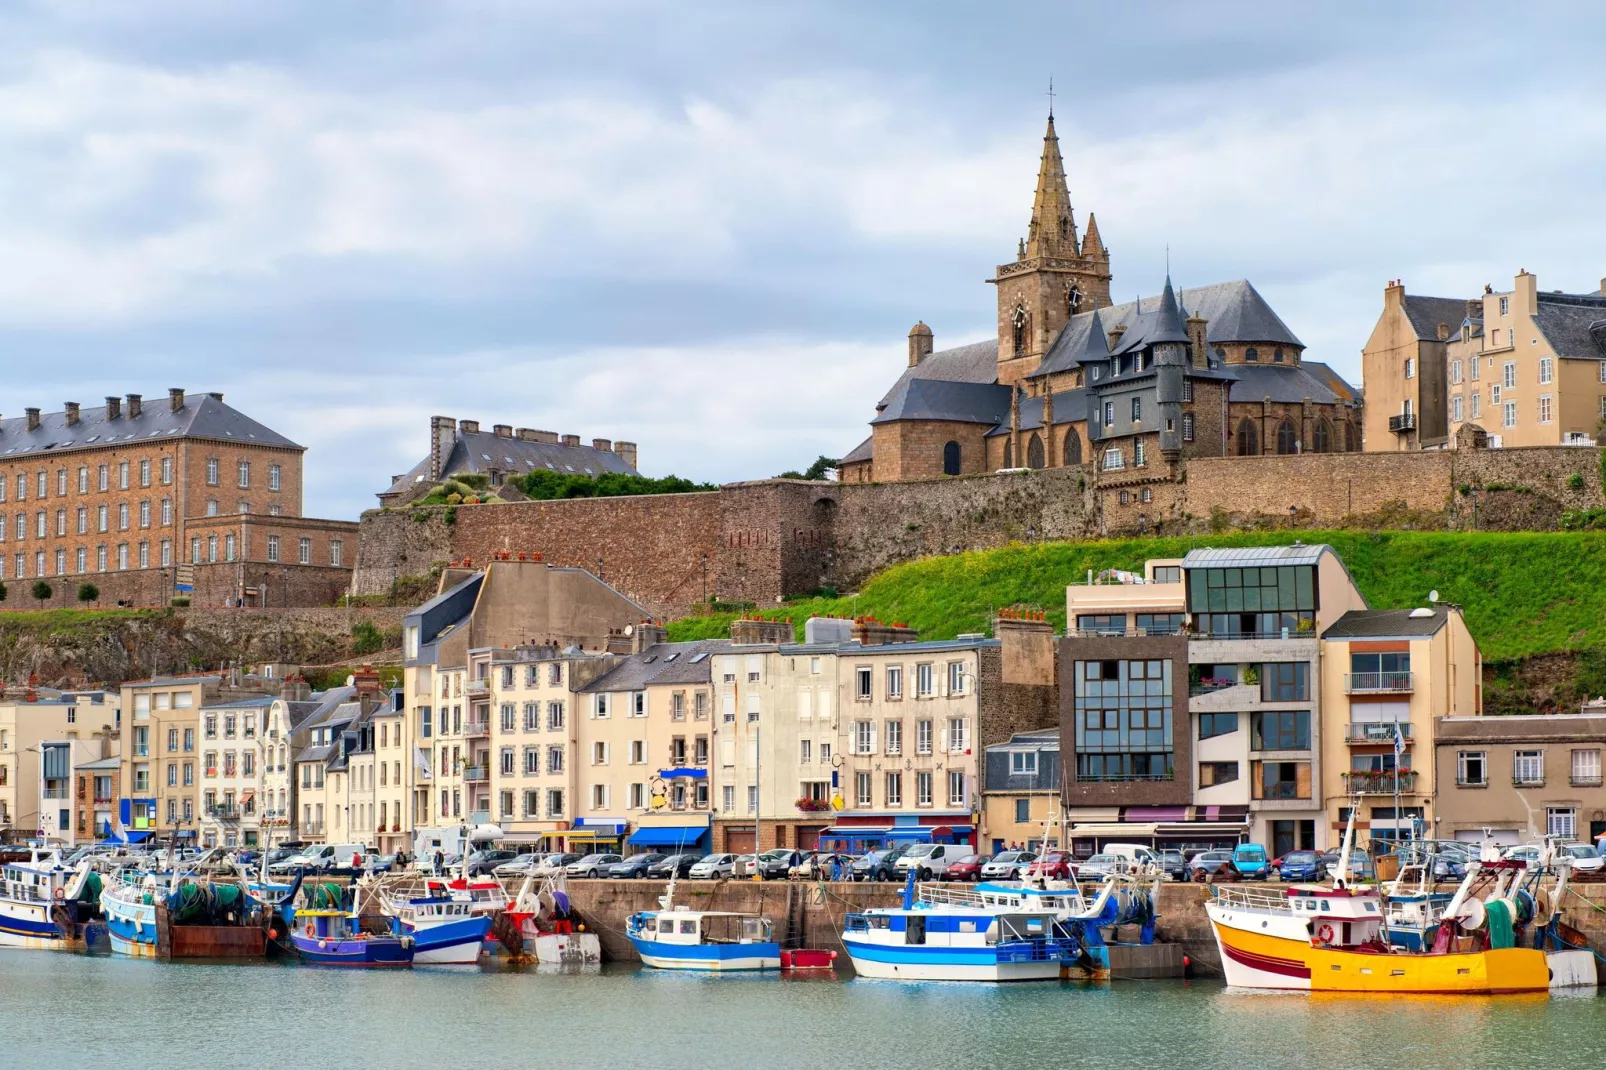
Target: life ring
x,y
61,893
309,928
1324,934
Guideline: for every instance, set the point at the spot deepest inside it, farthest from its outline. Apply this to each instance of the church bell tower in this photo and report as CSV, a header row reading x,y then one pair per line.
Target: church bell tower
x,y
1054,276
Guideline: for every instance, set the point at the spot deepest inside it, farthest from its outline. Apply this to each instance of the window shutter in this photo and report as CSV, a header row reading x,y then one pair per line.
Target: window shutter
x,y
943,744
727,752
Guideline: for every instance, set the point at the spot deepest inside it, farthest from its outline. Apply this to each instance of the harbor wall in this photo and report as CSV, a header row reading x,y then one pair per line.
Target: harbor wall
x,y
807,914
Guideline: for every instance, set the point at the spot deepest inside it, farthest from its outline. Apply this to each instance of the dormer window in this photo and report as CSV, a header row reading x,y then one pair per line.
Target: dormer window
x,y
1252,355
1277,355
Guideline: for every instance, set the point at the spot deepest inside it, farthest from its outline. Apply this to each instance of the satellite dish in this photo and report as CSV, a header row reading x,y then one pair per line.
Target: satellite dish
x,y
630,629
1433,596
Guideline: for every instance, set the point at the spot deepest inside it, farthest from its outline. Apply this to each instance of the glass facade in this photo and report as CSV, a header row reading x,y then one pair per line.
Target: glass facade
x,y
1123,720
1253,601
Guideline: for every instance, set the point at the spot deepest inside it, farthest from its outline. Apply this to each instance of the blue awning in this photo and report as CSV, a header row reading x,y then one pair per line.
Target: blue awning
x,y
929,833
683,771
127,836
601,824
669,836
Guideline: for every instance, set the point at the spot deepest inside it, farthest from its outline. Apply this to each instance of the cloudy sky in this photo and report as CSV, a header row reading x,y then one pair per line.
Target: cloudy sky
x,y
708,227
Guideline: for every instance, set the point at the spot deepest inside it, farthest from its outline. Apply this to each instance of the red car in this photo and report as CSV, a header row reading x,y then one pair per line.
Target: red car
x,y
1057,865
967,868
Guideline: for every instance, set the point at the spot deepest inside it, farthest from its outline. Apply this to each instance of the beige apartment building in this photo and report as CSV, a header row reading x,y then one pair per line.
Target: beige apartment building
x,y
230,812
1514,779
1389,677
162,754
1404,370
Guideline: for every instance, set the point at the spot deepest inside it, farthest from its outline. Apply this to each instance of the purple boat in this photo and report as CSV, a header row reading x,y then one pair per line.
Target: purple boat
x,y
334,938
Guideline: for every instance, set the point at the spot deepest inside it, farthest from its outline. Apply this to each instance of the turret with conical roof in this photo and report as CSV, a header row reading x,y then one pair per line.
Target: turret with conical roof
x,y
1052,278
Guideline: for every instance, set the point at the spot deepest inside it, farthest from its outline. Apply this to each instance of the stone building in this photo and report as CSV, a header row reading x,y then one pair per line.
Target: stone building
x,y
1073,379
1524,365
1514,779
459,447
123,495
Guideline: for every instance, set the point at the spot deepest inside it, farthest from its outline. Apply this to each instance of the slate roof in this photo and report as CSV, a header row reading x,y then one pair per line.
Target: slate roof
x,y
976,362
862,452
1574,324
936,399
1289,383
1386,623
663,663
1426,313
1069,406
480,451
203,416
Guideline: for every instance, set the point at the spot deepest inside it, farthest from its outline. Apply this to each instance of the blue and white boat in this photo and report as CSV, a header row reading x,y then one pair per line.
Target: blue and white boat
x,y
949,935
37,896
130,910
1121,901
677,938
336,938
447,930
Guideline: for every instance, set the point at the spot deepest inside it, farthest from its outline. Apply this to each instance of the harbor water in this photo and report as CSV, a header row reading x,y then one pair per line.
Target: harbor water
x,y
72,1010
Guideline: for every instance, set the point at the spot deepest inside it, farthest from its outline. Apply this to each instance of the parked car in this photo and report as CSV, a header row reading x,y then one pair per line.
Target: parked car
x,y
1135,854
1299,866
326,856
930,860
483,862
519,865
1057,865
673,865
1527,852
1360,866
553,864
878,865
743,866
712,866
1251,862
635,867
1586,859
1174,864
592,865
1102,865
777,863
382,863
816,866
1212,866
1007,865
967,867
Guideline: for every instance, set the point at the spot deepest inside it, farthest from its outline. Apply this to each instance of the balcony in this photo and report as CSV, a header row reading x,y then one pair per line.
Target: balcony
x,y
479,817
475,729
476,774
1405,421
223,812
1378,683
477,687
1128,778
1381,783
1375,732
1231,698
1528,781
1580,780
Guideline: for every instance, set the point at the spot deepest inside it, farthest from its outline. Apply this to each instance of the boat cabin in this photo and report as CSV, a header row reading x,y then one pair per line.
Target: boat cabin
x,y
704,927
1338,917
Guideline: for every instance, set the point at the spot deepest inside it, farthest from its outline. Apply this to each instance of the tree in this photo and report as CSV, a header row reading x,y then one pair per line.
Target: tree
x,y
821,467
42,591
88,592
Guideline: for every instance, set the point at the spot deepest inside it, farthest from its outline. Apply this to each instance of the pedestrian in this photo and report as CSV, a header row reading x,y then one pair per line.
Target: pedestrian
x,y
440,860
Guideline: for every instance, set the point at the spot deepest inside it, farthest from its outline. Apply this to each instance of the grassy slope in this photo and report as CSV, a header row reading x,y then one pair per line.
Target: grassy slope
x,y
1523,593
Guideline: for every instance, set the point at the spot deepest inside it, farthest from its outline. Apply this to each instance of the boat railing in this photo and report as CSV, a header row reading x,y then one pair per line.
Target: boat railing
x,y
1034,949
952,897
1247,900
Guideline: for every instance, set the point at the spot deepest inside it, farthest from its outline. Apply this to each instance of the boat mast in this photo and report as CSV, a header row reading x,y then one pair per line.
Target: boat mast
x,y
758,795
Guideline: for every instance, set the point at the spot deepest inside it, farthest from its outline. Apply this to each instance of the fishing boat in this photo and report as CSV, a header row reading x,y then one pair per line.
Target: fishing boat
x,y
43,904
1334,938
679,938
941,934
129,906
1121,901
336,938
542,923
447,930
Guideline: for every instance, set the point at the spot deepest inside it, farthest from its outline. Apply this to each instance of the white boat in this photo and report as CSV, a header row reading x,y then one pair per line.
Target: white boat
x,y
447,930
130,910
36,897
675,938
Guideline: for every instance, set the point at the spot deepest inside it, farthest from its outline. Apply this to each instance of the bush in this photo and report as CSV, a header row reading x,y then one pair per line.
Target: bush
x,y
181,601
88,592
1576,481
366,638
42,590
545,485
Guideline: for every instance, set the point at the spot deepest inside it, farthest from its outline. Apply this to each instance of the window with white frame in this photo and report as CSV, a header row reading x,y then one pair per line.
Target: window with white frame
x,y
895,681
273,547
1562,822
599,753
805,753
1547,369
861,789
1509,414
1509,375
1528,767
1113,459
958,738
894,737
600,705
1455,371
1544,408
1477,405
1471,769
1455,408
863,682
863,737
1410,367
599,796
894,789
956,678
638,752
923,736
1586,768
923,792
956,788
1022,763
638,796
923,679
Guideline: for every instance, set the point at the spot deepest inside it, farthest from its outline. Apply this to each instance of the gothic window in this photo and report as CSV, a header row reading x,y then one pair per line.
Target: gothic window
x,y
1009,454
1073,447
1349,438
1034,451
1248,440
1277,355
1287,442
950,459
1073,300
1018,322
1321,439
1252,355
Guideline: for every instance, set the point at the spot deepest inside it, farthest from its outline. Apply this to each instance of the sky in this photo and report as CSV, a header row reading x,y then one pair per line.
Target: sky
x,y
707,227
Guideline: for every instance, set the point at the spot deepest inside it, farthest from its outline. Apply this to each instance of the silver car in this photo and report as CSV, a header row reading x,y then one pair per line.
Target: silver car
x,y
1007,865
712,866
593,866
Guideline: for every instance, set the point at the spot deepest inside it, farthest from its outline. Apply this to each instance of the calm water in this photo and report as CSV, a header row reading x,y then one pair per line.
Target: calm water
x,y
70,1011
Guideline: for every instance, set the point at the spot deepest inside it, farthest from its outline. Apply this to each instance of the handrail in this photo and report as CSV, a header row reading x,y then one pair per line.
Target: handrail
x,y
1240,897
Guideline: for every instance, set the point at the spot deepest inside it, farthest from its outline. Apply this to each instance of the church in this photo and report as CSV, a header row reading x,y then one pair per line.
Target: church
x,y
1073,379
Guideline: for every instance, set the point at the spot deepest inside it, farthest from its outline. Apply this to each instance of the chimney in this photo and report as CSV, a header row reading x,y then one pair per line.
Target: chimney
x,y
626,452
525,434
1026,640
920,343
114,407
33,419
366,680
571,440
1394,294
1603,285
549,437
468,427
503,430
1198,345
134,406
175,398
647,634
215,395
602,445
1115,334
72,413
760,632
1444,332
442,435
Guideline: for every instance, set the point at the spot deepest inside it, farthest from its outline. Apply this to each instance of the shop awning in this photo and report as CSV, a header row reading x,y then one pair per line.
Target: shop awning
x,y
1116,828
669,836
604,835
1156,813
927,833
606,825
856,832
682,772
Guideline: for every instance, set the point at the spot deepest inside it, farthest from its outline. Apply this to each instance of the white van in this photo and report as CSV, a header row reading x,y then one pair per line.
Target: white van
x,y
327,856
931,859
1135,854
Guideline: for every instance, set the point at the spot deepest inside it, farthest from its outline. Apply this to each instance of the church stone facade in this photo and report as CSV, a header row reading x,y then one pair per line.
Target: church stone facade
x,y
1132,390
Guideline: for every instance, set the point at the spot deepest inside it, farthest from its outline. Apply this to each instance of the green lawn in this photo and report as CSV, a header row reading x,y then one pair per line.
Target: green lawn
x,y
1523,593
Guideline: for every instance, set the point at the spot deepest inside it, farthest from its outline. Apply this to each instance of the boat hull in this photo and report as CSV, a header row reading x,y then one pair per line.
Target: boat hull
x,y
1263,959
568,949
130,927
719,958
905,963
29,925
452,943
373,953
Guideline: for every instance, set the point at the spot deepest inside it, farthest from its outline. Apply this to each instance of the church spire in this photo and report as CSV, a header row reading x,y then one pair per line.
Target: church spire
x,y
1053,227
1092,243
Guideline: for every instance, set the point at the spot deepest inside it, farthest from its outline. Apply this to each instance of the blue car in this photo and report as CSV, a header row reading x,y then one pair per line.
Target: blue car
x,y
1250,860
1300,866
